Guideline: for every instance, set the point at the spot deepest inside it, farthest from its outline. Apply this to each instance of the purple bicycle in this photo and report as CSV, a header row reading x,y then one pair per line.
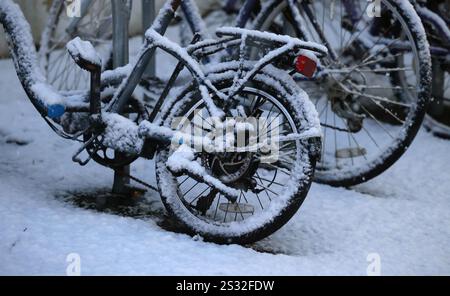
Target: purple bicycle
x,y
373,88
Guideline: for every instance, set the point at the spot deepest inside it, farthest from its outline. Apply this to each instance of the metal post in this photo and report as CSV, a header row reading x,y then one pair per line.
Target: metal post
x,y
121,16
148,16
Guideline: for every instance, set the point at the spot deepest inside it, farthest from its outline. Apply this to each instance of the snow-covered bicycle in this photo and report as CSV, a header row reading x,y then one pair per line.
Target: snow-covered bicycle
x,y
215,175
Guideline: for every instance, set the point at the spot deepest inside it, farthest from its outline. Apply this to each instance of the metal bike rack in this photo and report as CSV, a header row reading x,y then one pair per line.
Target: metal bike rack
x,y
148,16
121,17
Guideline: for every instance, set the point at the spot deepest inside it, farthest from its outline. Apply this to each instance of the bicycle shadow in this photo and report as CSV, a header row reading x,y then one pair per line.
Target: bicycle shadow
x,y
148,207
104,201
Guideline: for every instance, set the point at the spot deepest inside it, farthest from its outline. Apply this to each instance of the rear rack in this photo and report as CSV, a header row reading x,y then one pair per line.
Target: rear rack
x,y
271,38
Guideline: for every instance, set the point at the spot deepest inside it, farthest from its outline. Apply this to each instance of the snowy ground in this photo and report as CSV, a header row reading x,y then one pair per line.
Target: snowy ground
x,y
46,214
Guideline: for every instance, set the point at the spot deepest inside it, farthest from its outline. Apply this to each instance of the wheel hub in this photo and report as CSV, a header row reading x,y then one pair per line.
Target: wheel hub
x,y
345,104
231,168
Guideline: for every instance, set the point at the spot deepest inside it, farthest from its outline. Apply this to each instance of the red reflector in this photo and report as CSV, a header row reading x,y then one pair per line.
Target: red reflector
x,y
306,66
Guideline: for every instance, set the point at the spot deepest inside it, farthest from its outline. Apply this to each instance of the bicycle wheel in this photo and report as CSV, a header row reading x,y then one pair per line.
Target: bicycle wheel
x,y
374,87
437,119
271,192
438,115
94,26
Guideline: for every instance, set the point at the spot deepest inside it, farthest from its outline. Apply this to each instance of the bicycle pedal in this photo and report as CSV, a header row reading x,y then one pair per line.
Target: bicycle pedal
x,y
350,153
237,208
76,157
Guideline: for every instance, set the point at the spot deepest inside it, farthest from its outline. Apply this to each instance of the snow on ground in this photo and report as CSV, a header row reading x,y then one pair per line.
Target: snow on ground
x,y
45,214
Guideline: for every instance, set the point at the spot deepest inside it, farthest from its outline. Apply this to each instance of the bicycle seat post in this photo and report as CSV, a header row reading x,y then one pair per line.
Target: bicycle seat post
x,y
85,56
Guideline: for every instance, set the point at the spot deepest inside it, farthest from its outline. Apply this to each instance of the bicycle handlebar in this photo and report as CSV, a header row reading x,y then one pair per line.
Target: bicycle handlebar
x,y
23,51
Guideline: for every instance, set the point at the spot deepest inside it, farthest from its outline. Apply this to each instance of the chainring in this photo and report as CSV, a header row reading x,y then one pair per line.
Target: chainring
x,y
108,157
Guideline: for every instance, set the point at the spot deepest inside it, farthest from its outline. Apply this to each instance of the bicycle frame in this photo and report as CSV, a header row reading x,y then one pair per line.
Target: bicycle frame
x,y
441,24
159,28
245,14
